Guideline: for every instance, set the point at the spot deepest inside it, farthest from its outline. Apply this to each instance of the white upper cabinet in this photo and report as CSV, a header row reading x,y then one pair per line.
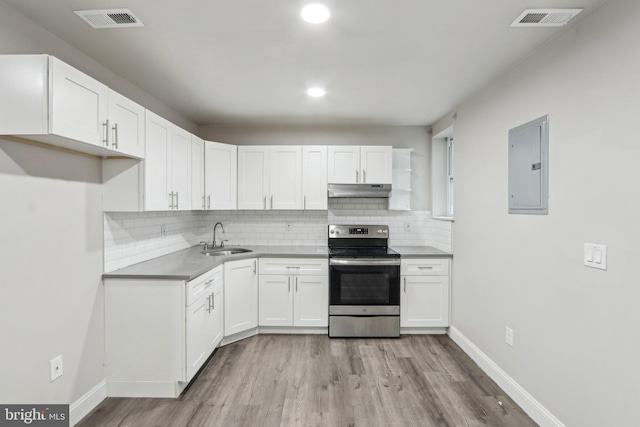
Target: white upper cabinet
x,y
367,164
253,177
167,165
344,164
44,99
197,174
221,176
285,177
376,164
126,126
314,177
78,105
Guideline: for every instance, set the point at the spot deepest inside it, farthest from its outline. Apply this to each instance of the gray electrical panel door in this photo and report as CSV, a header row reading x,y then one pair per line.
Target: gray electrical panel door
x,y
529,168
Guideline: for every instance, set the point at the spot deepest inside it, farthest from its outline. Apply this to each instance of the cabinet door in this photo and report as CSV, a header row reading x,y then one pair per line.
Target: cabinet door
x,y
311,301
78,104
344,164
314,177
221,175
253,177
181,168
126,125
157,163
376,163
424,301
285,177
240,296
197,174
275,296
197,350
215,319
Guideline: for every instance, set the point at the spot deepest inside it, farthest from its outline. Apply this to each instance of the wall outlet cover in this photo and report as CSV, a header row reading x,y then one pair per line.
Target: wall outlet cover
x,y
509,336
595,256
55,366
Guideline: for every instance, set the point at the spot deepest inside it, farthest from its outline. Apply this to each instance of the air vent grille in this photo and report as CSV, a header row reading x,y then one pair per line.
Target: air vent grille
x,y
545,17
109,18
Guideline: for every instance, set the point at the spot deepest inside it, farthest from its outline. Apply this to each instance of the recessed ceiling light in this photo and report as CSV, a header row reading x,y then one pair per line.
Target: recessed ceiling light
x,y
316,92
315,13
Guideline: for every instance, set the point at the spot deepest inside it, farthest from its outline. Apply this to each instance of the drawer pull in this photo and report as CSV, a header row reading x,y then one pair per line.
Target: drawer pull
x,y
421,267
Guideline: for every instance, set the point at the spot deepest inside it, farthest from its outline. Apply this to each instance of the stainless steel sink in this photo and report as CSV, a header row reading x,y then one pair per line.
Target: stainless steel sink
x,y
224,251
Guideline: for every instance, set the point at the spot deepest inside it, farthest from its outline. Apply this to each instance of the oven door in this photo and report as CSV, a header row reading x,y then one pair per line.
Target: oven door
x,y
358,282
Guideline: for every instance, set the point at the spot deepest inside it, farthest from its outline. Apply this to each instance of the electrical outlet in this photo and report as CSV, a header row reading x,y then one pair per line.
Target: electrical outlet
x,y
407,226
595,256
163,230
289,228
55,365
509,336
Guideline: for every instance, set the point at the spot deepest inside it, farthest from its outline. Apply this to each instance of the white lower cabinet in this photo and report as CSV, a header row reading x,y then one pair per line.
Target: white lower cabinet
x,y
424,300
158,333
204,319
293,292
240,296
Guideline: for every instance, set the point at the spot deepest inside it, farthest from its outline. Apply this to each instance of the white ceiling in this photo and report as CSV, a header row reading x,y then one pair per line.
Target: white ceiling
x,y
383,62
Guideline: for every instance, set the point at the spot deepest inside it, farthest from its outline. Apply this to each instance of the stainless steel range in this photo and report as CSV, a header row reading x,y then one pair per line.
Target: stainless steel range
x,y
364,282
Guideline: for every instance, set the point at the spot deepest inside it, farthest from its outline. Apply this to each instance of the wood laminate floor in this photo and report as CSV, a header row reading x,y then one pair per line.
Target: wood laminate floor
x,y
311,380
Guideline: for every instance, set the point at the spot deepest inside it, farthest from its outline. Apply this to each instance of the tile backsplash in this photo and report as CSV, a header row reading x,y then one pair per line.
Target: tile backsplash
x,y
134,237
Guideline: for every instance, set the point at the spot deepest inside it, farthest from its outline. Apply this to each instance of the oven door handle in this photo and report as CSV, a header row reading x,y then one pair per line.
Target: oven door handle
x,y
364,261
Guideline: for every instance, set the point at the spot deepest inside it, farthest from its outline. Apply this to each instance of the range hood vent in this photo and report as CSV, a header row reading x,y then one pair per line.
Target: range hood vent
x,y
545,17
109,18
359,190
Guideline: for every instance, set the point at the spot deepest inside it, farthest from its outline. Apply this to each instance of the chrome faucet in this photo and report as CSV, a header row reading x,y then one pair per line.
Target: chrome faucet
x,y
214,235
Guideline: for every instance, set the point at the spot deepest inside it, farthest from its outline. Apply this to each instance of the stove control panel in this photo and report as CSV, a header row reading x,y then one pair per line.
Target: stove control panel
x,y
359,231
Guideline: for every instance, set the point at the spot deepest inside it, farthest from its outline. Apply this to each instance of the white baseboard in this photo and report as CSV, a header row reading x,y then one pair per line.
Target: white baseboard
x,y
290,330
528,403
423,331
87,403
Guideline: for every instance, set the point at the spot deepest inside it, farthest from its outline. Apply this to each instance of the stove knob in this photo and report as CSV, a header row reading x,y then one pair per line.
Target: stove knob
x,y
379,231
384,231
332,231
337,231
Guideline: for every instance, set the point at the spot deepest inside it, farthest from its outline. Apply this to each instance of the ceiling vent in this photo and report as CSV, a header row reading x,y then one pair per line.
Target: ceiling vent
x,y
545,17
109,18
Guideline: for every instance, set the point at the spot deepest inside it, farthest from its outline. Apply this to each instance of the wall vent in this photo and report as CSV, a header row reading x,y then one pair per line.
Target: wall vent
x,y
109,18
545,17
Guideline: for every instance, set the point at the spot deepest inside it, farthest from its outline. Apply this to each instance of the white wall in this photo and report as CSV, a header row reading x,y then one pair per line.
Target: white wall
x,y
576,344
51,245
416,137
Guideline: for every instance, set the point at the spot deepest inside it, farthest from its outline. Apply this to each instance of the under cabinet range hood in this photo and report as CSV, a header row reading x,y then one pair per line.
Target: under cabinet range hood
x,y
359,190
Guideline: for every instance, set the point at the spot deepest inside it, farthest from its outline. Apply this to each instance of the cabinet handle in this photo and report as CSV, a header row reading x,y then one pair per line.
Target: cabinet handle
x,y
272,201
213,301
171,200
254,267
364,176
296,279
289,282
203,204
209,201
115,134
357,176
106,133
177,201
428,267
405,285
264,202
304,203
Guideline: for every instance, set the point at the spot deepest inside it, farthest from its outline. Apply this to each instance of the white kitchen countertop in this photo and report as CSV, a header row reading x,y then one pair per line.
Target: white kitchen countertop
x,y
421,252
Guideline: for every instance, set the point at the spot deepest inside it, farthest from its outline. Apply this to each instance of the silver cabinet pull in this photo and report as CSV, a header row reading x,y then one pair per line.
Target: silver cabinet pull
x,y
106,133
296,279
115,134
171,200
272,201
357,176
177,201
304,203
428,267
289,282
254,266
405,285
364,176
203,205
264,202
209,201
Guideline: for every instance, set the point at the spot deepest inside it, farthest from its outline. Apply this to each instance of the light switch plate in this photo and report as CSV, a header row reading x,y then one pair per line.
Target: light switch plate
x,y
595,256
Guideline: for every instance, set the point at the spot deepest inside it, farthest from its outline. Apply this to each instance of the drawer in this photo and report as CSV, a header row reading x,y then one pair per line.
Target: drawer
x,y
296,266
424,267
203,284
